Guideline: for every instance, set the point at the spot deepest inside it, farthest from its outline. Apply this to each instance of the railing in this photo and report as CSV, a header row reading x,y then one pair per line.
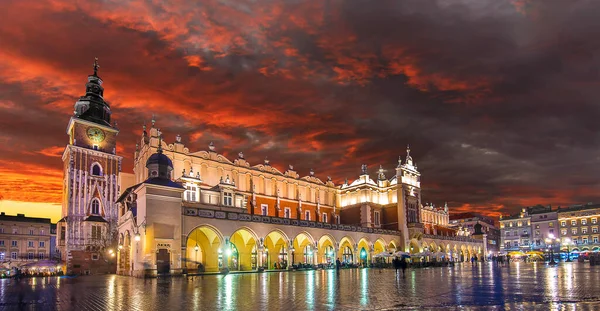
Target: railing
x,y
452,238
280,221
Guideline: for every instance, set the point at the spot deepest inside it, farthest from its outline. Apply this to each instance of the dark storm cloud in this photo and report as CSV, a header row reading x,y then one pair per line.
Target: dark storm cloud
x,y
496,98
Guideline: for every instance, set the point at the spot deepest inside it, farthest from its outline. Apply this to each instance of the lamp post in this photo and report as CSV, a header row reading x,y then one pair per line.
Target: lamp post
x,y
567,242
550,240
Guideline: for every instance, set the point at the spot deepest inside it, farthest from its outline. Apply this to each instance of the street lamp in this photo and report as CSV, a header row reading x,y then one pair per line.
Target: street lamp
x,y
567,242
550,240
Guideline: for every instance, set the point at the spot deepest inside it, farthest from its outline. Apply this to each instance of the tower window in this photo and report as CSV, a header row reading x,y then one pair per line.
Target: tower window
x,y
95,207
96,170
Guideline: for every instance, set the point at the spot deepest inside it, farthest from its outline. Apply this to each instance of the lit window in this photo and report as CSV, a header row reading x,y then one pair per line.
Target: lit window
x,y
307,215
595,239
377,218
584,230
286,213
227,199
583,221
585,240
573,222
1,256
95,210
594,220
550,224
574,231
324,217
595,230
264,209
190,193
563,223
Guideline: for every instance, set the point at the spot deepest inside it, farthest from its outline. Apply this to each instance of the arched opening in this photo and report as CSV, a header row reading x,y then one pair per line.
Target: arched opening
x,y
96,169
276,250
326,252
95,207
379,246
346,249
303,252
243,250
414,247
203,251
363,251
392,247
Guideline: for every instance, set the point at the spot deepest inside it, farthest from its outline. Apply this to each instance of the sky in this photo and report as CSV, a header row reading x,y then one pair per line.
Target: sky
x,y
498,99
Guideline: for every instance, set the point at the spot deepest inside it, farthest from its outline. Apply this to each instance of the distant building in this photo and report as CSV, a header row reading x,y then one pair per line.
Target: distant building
x,y
465,223
579,227
23,240
544,224
515,232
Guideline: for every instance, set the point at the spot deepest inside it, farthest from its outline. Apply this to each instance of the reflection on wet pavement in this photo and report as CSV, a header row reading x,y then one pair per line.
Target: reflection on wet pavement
x,y
568,286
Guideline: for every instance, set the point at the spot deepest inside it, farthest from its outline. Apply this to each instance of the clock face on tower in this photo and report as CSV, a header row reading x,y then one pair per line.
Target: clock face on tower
x,y
95,134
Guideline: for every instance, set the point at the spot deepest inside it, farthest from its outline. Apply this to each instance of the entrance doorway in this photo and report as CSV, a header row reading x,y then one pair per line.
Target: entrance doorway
x,y
163,261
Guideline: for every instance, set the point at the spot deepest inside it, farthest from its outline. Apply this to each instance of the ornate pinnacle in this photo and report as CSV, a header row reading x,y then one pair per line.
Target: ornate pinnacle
x,y
153,120
211,146
96,66
159,150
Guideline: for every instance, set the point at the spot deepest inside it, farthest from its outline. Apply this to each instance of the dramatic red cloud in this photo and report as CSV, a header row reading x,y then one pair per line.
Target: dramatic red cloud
x,y
327,85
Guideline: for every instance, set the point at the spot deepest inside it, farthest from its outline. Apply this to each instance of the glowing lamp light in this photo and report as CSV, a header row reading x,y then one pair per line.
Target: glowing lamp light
x,y
112,254
137,237
228,252
110,251
120,246
196,248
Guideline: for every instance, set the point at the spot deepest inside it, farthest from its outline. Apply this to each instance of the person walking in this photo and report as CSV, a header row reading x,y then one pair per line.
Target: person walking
x,y
338,264
403,264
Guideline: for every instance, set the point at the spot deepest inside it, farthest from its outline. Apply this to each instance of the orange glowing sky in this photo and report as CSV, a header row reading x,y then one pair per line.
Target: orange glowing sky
x,y
497,98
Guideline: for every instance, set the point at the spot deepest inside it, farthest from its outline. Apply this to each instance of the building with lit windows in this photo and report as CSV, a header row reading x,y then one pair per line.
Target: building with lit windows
x,y
465,224
578,227
544,225
183,209
515,232
23,240
201,210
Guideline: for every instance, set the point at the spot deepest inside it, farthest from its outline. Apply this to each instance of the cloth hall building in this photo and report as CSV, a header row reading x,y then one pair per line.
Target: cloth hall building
x,y
183,209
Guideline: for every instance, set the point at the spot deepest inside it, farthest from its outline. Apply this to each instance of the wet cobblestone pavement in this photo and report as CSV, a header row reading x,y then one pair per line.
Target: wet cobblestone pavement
x,y
568,286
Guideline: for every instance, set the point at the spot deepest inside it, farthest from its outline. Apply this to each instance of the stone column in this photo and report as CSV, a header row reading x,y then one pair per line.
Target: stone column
x,y
290,258
259,259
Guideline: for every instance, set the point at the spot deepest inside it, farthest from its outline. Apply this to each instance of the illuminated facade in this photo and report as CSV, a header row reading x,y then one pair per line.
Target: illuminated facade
x,y
90,189
515,232
201,210
23,240
579,228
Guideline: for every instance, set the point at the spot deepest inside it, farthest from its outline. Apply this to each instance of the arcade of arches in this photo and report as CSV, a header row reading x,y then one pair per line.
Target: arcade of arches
x,y
208,250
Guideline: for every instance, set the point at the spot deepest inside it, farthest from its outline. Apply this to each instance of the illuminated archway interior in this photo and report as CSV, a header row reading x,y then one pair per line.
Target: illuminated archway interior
x,y
243,251
364,255
326,252
275,250
303,249
203,250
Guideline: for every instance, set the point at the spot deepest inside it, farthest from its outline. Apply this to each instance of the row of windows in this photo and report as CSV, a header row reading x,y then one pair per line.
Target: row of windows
x,y
31,231
550,224
29,243
516,233
30,255
583,231
288,214
515,224
583,222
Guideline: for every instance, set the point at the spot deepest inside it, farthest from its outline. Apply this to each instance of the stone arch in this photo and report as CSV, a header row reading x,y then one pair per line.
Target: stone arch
x,y
326,249
392,246
243,250
414,247
303,248
276,244
379,246
203,249
364,250
346,250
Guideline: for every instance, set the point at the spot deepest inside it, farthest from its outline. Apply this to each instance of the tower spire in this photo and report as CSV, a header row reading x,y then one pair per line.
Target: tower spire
x,y
407,150
159,149
96,66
